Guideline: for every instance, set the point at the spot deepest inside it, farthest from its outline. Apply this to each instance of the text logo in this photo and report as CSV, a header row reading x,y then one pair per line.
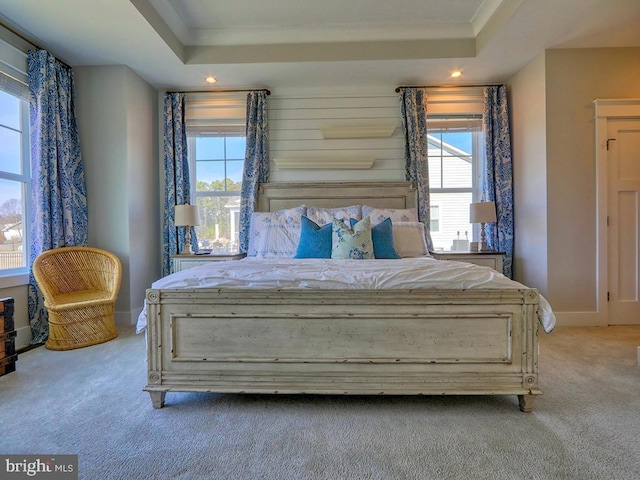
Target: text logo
x,y
51,467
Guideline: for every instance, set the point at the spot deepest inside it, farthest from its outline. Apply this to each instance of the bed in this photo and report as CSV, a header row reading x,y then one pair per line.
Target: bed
x,y
475,335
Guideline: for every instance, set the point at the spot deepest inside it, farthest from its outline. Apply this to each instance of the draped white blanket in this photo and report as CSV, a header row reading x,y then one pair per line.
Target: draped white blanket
x,y
328,274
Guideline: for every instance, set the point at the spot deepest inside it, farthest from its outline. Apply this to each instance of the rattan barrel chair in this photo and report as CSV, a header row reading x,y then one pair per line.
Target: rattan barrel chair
x,y
80,286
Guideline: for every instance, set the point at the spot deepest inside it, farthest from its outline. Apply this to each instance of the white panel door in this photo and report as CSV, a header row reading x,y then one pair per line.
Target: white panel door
x,y
624,221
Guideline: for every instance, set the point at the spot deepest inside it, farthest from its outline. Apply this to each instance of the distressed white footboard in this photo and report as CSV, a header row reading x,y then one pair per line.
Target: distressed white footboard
x,y
429,342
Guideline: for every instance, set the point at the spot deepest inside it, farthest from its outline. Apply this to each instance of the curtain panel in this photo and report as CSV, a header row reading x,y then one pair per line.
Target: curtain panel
x,y
59,196
498,181
413,102
256,162
177,187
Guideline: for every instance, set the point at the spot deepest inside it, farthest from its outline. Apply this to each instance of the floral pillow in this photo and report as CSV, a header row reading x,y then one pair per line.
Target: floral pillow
x,y
355,243
395,214
323,216
261,220
382,237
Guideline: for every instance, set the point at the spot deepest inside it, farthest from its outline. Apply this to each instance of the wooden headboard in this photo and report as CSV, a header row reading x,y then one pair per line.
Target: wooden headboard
x,y
280,195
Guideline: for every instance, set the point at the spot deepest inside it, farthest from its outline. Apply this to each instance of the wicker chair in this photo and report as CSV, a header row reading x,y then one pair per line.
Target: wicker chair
x,y
80,286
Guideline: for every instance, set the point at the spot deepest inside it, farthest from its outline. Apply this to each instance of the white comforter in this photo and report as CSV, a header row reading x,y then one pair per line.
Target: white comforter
x,y
327,274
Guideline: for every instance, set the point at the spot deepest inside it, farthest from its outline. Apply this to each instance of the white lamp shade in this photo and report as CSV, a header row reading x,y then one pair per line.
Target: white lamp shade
x,y
186,216
482,212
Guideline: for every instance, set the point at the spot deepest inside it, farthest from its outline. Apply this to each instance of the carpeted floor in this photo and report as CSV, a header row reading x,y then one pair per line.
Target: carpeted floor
x,y
90,402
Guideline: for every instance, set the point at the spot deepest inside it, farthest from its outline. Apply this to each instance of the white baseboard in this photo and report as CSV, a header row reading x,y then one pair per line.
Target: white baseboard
x,y
23,337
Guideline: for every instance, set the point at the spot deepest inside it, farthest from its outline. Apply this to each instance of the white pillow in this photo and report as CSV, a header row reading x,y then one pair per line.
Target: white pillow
x,y
322,216
395,214
409,239
279,240
260,221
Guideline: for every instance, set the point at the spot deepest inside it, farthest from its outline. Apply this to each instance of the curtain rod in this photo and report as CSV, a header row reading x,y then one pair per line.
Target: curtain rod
x,y
451,86
37,47
228,90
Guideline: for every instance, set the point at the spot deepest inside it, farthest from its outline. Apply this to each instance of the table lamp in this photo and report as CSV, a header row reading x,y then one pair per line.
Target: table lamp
x,y
482,213
187,216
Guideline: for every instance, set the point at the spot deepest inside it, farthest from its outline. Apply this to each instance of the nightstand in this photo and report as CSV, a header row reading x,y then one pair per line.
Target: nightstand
x,y
485,259
182,262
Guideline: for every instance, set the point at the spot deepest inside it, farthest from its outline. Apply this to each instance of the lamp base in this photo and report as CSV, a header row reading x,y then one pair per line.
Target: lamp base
x,y
187,250
483,247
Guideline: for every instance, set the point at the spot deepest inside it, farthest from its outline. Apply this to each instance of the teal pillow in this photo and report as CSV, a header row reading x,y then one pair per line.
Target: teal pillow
x,y
382,236
315,241
354,242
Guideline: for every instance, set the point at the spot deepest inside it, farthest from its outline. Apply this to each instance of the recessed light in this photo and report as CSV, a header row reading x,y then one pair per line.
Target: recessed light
x,y
211,79
456,73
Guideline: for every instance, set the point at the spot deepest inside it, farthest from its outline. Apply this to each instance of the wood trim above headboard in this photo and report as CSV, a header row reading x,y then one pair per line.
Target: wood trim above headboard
x,y
280,195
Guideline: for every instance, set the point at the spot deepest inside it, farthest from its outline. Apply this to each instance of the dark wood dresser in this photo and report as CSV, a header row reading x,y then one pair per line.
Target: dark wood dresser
x,y
8,354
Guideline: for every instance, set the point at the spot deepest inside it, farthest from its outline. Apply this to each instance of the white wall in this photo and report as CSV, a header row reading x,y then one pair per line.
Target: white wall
x,y
574,78
117,112
529,143
144,187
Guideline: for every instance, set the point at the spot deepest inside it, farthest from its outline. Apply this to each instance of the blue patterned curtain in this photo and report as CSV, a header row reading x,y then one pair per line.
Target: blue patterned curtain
x,y
416,148
256,161
177,188
498,179
59,195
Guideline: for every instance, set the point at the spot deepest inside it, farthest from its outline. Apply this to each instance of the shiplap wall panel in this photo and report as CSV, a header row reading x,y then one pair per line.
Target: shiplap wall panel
x,y
296,119
372,144
328,115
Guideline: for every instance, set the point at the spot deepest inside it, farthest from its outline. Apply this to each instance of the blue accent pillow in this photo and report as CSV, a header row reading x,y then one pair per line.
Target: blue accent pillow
x,y
382,236
315,241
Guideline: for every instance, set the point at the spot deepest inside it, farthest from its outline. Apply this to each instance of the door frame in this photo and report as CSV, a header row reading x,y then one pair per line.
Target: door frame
x,y
605,110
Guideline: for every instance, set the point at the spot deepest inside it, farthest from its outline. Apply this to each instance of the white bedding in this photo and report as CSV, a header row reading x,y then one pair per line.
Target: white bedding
x,y
328,274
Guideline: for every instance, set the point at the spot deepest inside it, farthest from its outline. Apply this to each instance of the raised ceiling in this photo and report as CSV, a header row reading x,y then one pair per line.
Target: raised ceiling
x,y
174,44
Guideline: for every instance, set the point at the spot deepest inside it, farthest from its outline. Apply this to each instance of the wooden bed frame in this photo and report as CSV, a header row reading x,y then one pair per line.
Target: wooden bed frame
x,y
409,342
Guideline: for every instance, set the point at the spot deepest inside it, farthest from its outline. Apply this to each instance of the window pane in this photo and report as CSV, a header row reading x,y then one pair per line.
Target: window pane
x,y
236,147
9,111
219,223
458,140
457,172
435,172
453,221
211,173
10,151
12,248
434,225
208,148
234,174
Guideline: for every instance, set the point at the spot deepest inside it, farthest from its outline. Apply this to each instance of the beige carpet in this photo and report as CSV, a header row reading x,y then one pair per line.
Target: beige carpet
x,y
89,402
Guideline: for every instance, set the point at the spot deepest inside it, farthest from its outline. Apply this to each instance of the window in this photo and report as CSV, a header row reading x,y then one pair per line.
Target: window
x,y
455,159
217,159
216,147
14,182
